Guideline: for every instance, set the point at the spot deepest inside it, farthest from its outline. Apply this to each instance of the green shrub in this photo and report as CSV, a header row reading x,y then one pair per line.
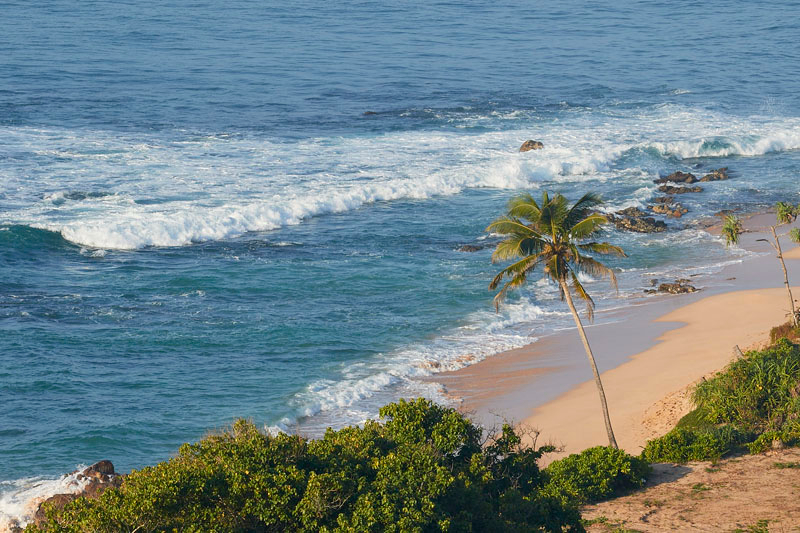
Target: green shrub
x,y
788,435
595,474
695,420
755,392
794,235
682,445
422,469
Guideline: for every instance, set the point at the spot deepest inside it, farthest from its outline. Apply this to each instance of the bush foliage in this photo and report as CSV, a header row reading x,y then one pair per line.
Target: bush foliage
x,y
422,469
595,474
753,402
757,392
682,445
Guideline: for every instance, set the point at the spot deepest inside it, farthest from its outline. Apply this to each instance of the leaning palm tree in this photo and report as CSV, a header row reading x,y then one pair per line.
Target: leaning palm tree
x,y
553,234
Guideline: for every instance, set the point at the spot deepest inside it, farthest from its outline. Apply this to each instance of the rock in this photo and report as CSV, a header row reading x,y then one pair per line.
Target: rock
x,y
102,468
678,177
679,287
634,219
716,175
98,477
654,282
674,211
470,248
58,501
671,189
369,113
531,145
663,199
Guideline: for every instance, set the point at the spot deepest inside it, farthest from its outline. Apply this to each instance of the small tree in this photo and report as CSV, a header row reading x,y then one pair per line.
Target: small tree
x,y
731,229
552,234
785,214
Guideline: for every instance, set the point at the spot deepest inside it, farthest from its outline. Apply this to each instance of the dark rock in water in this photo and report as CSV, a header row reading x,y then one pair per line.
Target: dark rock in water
x,y
531,145
631,212
671,189
678,177
724,213
634,219
470,248
716,175
98,477
674,211
680,286
654,282
663,199
369,113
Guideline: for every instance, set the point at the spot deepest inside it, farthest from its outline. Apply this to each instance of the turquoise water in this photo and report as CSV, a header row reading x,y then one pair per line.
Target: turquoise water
x,y
199,222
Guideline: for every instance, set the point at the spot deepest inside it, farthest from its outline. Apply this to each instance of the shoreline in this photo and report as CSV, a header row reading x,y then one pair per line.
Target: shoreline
x,y
669,343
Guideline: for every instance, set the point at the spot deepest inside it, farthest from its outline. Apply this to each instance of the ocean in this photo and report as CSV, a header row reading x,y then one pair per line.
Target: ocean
x,y
212,211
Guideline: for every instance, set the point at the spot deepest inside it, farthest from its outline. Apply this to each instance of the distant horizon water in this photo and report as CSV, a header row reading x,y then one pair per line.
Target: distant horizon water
x,y
256,210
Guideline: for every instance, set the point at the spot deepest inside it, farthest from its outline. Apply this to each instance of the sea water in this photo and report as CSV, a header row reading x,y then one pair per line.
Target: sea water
x,y
220,210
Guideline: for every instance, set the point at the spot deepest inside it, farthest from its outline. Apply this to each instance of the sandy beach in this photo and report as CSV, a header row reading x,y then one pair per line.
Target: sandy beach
x,y
649,357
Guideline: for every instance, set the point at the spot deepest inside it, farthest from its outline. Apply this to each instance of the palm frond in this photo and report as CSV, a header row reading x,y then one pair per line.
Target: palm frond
x,y
517,247
507,225
602,248
596,269
577,286
518,272
583,208
520,267
587,226
553,215
524,206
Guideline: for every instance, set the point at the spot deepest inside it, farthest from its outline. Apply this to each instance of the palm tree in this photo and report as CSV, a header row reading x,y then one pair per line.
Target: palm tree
x,y
731,229
553,234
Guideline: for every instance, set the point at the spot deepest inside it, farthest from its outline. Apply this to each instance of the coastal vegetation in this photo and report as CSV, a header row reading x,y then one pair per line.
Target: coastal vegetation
x,y
753,404
731,229
424,467
554,234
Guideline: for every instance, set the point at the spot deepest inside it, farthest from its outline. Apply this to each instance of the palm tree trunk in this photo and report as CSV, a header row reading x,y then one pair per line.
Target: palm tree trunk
x,y
611,440
785,275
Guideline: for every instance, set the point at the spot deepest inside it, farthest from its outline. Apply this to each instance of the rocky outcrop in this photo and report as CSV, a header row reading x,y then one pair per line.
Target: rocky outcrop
x,y
680,286
670,210
634,219
671,189
470,248
531,145
678,177
663,200
716,175
95,479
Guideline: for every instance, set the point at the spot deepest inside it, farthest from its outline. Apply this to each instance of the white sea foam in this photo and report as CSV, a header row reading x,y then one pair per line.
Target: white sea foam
x,y
20,499
159,191
361,386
